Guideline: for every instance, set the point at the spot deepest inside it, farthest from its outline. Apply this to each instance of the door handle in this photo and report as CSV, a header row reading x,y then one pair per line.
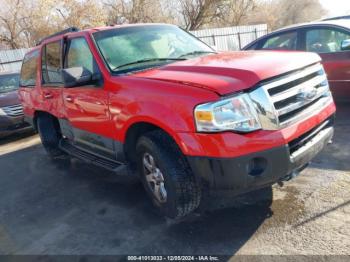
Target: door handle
x,y
69,99
48,95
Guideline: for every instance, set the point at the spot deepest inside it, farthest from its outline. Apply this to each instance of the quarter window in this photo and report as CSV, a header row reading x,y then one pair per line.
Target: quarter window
x,y
286,41
29,69
51,63
325,40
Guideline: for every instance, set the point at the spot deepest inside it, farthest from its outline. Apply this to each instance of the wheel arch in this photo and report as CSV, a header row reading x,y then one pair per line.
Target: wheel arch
x,y
40,113
137,129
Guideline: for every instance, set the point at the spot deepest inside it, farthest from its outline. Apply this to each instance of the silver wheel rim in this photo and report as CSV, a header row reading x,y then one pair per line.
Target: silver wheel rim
x,y
154,178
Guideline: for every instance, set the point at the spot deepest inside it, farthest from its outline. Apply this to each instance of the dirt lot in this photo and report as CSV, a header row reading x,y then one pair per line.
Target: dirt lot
x,y
48,209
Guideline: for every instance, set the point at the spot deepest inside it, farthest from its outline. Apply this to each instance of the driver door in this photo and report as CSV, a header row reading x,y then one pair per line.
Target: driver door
x,y
88,122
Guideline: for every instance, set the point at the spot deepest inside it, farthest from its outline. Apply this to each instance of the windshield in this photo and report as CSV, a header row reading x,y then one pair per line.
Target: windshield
x,y
8,83
141,47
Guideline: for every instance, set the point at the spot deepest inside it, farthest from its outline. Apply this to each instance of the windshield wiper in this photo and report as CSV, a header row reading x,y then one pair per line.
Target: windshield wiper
x,y
197,53
147,60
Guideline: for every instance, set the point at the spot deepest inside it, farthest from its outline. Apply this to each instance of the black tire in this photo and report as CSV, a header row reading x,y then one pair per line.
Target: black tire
x,y
183,193
50,135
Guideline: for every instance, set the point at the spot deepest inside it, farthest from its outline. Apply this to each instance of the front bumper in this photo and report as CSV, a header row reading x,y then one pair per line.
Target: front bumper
x,y
9,125
257,170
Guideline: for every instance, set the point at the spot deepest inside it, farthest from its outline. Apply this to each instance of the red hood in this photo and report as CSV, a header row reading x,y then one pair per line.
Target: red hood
x,y
8,99
232,71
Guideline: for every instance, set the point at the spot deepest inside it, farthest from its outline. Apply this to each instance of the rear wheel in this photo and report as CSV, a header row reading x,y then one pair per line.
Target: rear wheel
x,y
166,175
49,132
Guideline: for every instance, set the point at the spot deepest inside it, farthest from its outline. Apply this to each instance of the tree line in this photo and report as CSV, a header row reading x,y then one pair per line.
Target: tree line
x,y
24,22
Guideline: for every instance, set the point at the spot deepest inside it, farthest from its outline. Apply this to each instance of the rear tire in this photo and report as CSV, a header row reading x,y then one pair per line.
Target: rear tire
x,y
49,132
171,185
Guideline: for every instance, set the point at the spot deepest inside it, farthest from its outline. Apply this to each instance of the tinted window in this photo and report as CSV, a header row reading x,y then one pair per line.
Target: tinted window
x,y
79,55
51,63
325,40
286,41
252,47
8,83
29,69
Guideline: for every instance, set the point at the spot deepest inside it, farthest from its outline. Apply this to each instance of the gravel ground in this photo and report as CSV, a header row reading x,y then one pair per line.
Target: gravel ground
x,y
51,209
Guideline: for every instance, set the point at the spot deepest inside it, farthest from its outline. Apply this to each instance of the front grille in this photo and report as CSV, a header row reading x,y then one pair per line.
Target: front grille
x,y
301,141
298,94
14,110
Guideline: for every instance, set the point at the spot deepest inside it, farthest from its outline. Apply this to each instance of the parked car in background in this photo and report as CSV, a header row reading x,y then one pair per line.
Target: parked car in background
x,y
193,122
330,39
11,110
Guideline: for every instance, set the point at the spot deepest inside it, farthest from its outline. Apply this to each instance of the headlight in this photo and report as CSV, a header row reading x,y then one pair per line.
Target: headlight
x,y
236,113
2,112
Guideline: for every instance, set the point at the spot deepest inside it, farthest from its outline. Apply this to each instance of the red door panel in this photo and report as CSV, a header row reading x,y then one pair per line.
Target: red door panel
x,y
337,66
87,109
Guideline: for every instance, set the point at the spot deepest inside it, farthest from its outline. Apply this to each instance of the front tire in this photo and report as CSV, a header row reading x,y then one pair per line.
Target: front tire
x,y
50,135
166,175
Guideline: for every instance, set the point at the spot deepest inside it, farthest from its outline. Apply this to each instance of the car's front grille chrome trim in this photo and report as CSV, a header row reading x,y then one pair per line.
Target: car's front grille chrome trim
x,y
294,76
13,110
292,97
296,89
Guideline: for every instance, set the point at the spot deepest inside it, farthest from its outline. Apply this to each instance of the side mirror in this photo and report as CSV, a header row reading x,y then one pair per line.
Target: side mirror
x,y
77,76
345,45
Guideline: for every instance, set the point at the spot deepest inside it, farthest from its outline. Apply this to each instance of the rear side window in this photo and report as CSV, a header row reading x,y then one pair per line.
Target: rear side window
x,y
29,69
286,41
51,63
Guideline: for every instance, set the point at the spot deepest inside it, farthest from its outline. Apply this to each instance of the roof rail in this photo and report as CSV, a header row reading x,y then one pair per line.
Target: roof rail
x,y
336,18
65,31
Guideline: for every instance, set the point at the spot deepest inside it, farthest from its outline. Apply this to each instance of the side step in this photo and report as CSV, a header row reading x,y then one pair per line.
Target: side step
x,y
119,168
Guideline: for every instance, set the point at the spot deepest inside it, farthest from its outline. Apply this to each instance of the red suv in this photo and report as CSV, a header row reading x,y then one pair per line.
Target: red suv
x,y
191,121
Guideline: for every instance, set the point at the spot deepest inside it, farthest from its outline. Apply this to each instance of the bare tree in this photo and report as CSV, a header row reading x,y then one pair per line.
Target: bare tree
x,y
11,31
23,22
280,13
236,12
135,11
197,13
297,11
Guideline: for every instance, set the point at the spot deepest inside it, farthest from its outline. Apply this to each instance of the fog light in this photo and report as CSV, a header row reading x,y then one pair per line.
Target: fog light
x,y
257,166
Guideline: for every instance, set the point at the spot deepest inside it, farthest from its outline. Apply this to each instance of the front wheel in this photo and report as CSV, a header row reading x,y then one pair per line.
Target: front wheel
x,y
50,135
166,175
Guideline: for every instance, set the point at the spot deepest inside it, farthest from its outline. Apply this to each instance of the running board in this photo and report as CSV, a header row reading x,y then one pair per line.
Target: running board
x,y
119,168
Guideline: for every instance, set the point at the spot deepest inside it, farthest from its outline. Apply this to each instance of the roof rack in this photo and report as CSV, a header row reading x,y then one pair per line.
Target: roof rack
x,y
65,31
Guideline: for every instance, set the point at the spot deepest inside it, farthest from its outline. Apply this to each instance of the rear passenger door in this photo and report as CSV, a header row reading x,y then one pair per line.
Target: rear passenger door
x,y
88,120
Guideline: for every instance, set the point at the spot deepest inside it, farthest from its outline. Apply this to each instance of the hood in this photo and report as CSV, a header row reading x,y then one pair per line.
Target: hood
x,y
8,99
230,72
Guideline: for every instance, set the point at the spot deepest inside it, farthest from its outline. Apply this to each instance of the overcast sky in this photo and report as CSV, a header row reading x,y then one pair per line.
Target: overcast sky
x,y
336,7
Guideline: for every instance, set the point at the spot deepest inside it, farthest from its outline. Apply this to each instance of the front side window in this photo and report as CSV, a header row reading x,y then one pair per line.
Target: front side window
x,y
325,40
79,55
141,47
51,63
29,69
286,41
